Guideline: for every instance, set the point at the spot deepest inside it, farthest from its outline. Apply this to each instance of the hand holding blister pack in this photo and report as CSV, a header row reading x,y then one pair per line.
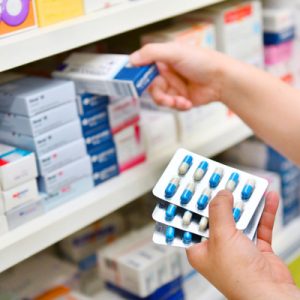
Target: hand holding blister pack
x,y
185,190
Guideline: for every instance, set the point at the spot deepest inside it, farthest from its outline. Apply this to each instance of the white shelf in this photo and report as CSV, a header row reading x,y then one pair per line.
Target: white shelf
x,y
39,43
48,229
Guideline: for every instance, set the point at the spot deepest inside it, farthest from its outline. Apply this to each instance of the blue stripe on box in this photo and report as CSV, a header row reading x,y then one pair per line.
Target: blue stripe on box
x,y
87,103
276,38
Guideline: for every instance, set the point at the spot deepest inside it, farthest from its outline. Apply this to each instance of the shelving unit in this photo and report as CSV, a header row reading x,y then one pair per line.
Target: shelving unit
x,y
46,230
40,43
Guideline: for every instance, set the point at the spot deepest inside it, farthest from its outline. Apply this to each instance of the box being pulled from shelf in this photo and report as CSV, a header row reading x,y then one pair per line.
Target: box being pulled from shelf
x,y
95,5
41,123
106,74
19,195
46,142
16,166
29,96
52,182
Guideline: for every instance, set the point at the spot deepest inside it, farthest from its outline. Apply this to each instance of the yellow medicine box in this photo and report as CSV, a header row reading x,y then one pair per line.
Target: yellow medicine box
x,y
54,11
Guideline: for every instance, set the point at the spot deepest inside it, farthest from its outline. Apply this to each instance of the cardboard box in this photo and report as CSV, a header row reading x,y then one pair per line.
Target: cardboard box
x,y
61,156
87,102
16,167
55,11
277,20
17,16
91,121
29,96
97,137
106,74
105,173
46,142
41,123
20,194
52,182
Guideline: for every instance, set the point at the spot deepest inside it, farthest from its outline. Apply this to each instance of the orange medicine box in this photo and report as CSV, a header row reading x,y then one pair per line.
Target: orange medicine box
x,y
55,11
16,16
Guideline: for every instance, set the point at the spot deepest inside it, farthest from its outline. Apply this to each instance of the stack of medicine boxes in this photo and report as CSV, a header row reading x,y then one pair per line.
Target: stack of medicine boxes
x,y
18,186
279,39
40,115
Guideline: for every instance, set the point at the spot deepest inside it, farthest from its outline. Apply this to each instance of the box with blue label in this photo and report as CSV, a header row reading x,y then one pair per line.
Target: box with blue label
x,y
106,173
68,192
91,121
97,137
103,155
276,38
87,102
61,156
16,167
106,74
54,181
30,96
46,142
40,123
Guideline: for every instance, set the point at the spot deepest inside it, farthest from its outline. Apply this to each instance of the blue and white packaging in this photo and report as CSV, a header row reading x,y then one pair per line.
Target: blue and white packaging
x,y
97,137
41,123
105,173
17,166
87,102
91,121
186,187
29,96
46,142
277,38
61,156
106,74
52,182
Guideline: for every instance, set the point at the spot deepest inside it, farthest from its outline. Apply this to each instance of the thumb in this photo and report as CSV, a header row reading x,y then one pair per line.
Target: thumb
x,y
221,222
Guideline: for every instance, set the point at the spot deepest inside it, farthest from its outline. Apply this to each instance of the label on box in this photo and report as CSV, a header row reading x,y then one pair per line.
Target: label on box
x,y
97,137
87,102
91,121
106,173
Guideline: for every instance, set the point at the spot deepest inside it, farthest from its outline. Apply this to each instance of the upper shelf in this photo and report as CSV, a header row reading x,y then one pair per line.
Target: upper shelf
x,y
48,229
40,43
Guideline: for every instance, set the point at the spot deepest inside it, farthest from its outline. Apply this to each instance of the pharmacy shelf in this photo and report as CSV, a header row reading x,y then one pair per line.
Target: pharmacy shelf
x,y
40,43
48,229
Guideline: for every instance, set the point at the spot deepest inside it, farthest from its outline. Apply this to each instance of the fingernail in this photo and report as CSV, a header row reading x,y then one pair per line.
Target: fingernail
x,y
135,57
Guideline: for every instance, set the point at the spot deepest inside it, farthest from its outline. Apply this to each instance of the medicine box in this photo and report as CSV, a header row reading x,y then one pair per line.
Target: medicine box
x,y
130,147
24,213
17,16
91,121
97,137
54,11
87,102
68,192
20,194
54,181
29,96
16,167
277,19
3,225
46,142
123,112
105,173
190,32
276,38
106,74
40,123
94,5
61,156
136,265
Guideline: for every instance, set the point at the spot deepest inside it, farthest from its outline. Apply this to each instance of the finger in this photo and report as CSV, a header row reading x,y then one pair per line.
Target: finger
x,y
162,98
182,103
221,222
266,224
198,256
151,53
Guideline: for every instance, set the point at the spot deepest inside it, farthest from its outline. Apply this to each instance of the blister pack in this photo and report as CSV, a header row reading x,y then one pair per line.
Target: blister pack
x,y
185,189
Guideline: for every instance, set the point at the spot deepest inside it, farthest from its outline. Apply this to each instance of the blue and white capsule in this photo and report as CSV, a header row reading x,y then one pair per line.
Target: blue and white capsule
x,y
232,182
201,171
185,165
170,234
248,189
188,193
187,218
187,238
238,210
216,177
203,224
172,187
170,212
204,199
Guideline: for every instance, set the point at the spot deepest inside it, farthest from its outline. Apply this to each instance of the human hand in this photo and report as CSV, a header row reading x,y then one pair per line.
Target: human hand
x,y
189,76
235,265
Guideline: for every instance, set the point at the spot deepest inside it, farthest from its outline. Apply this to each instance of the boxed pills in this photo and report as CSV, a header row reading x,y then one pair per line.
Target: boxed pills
x,y
277,20
185,189
106,74
97,137
16,166
106,172
91,121
40,123
3,225
87,102
52,182
20,194
29,96
130,147
46,142
61,156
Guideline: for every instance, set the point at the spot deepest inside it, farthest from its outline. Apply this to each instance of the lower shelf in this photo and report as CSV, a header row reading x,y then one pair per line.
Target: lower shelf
x,y
50,228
